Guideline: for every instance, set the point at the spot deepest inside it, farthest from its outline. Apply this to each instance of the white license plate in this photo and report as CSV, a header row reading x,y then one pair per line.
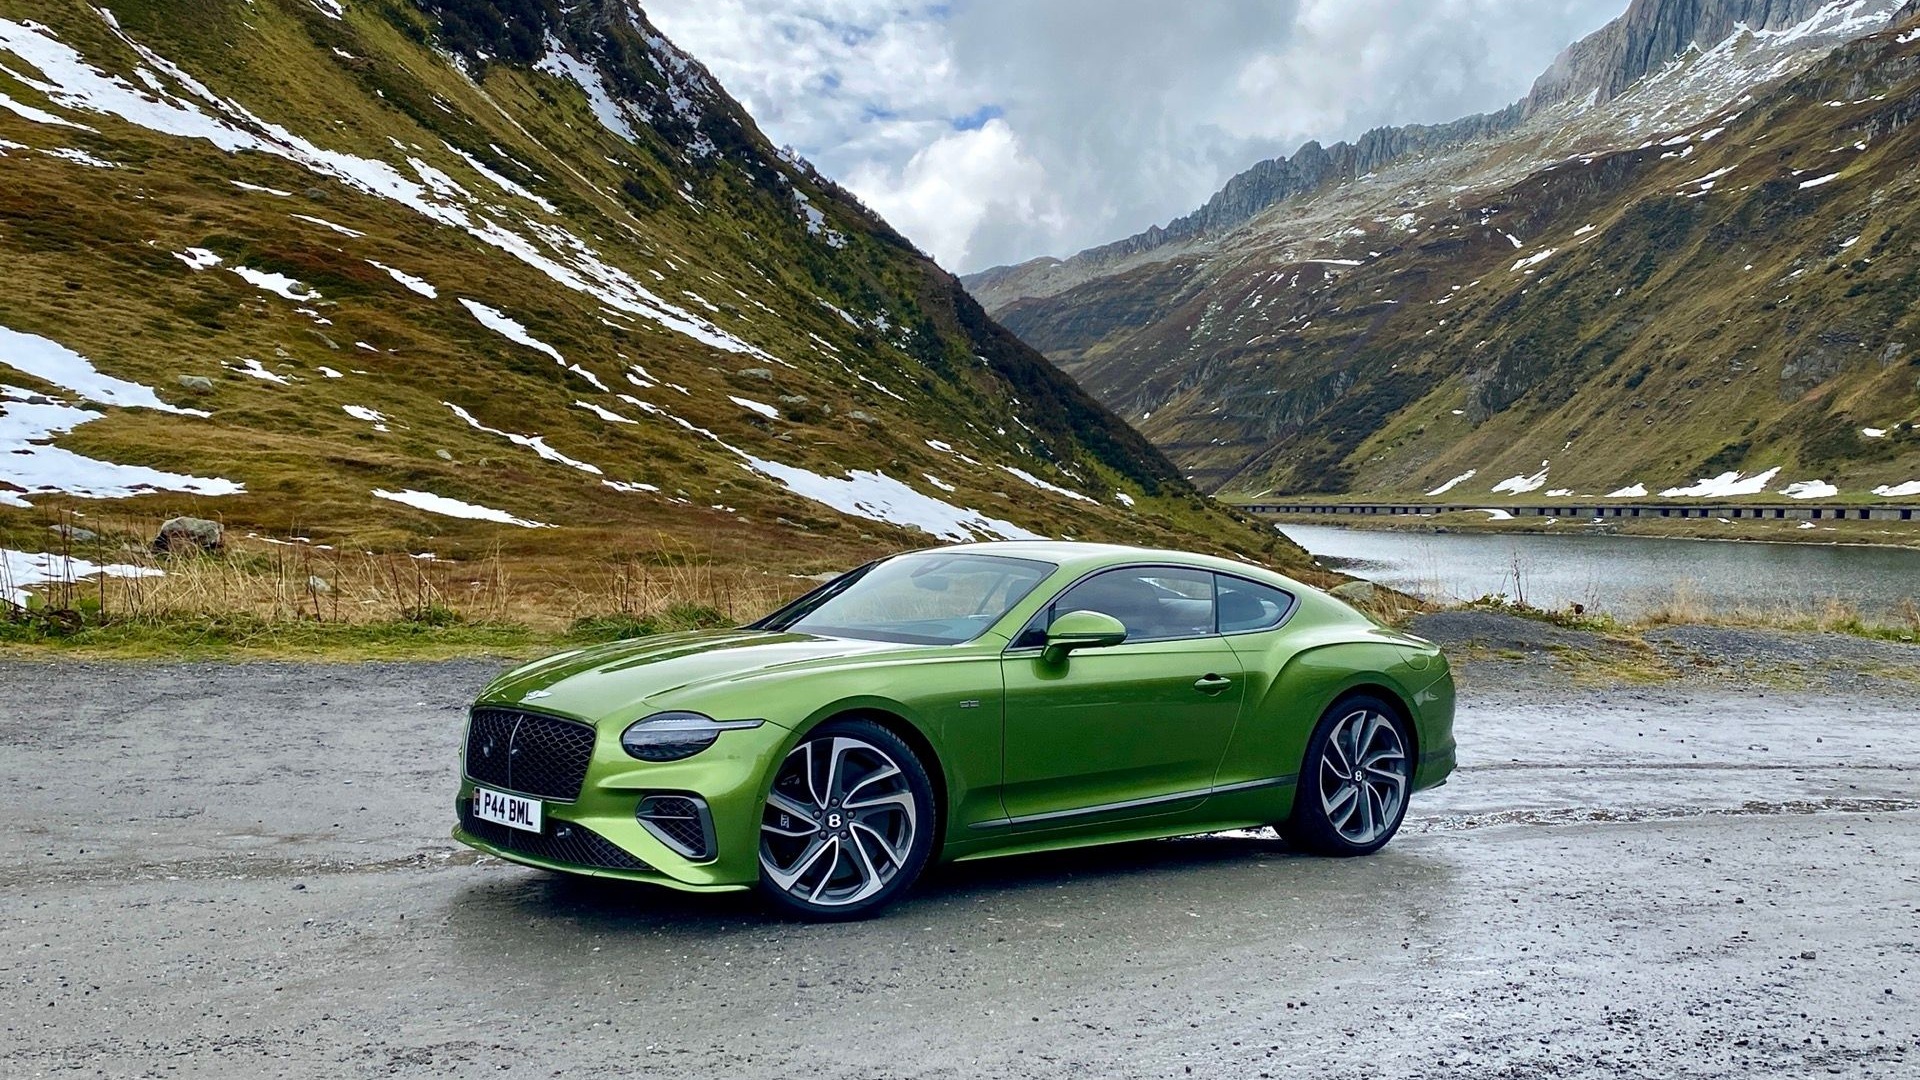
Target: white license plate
x,y
513,811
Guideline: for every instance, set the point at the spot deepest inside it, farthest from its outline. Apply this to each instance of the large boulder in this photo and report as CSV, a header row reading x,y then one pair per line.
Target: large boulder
x,y
185,535
1356,592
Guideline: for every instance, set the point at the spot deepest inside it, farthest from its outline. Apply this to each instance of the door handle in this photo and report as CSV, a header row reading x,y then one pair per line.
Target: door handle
x,y
1212,684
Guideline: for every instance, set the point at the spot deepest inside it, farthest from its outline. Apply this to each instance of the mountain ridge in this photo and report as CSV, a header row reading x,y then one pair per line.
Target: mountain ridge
x,y
1603,64
1724,310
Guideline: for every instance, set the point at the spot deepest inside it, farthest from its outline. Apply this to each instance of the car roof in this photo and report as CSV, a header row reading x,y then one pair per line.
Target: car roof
x,y
1081,555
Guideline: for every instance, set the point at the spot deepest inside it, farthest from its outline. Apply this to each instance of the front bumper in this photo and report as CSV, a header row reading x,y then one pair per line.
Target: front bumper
x,y
599,835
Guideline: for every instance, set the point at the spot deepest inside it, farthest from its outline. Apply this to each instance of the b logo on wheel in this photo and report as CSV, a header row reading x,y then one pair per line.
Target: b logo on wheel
x,y
833,821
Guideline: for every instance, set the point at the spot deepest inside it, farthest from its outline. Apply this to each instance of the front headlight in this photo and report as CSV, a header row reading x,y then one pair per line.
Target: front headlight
x,y
670,736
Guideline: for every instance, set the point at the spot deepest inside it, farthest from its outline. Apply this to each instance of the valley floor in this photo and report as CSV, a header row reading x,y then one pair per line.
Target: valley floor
x,y
243,870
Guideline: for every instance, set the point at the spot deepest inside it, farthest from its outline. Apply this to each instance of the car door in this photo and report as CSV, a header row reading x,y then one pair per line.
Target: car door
x,y
1130,730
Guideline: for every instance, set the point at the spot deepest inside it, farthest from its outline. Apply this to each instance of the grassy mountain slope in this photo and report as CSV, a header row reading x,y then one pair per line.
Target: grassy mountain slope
x,y
1734,297
501,257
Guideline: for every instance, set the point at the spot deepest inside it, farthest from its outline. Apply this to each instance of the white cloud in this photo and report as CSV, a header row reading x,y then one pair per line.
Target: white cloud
x,y
952,186
996,130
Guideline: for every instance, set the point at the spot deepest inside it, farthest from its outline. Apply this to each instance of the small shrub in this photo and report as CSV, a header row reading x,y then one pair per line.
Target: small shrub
x,y
432,614
596,628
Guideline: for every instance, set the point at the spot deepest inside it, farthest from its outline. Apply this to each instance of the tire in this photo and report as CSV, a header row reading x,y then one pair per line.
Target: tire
x,y
825,857
1335,813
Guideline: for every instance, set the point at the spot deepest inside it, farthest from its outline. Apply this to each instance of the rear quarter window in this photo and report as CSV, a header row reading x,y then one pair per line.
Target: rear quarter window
x,y
1246,606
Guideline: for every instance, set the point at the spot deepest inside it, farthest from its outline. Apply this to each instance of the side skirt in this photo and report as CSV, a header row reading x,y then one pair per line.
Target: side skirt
x,y
1228,806
1064,818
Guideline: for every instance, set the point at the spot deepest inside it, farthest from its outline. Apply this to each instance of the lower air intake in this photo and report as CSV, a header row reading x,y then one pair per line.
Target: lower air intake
x,y
682,822
557,842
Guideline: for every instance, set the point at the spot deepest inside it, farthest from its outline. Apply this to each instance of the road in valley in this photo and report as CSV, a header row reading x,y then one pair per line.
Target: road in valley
x,y
244,870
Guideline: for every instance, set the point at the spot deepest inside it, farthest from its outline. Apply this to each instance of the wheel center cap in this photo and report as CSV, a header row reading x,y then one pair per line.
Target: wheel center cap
x,y
833,821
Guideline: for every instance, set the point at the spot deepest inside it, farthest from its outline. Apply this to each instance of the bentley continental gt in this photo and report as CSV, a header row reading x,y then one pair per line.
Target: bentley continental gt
x,y
958,703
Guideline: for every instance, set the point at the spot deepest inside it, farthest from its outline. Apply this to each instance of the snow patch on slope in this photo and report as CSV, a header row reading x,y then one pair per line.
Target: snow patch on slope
x,y
507,327
441,504
1455,482
1725,485
30,464
1519,485
23,570
69,81
411,283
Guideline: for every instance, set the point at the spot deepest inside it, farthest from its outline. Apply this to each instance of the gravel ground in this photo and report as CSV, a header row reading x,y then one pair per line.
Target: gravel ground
x,y
1504,649
243,870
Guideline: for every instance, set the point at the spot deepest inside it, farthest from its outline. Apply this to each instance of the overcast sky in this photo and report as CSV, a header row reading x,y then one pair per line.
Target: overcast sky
x,y
992,131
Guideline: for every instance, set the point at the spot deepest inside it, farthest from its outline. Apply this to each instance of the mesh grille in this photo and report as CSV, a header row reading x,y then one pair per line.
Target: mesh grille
x,y
558,841
680,822
533,754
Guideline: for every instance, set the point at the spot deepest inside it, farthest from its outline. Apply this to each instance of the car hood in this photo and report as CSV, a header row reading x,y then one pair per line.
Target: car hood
x,y
605,681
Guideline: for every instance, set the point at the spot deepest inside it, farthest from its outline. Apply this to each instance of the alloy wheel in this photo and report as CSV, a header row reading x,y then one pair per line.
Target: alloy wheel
x,y
840,822
1363,776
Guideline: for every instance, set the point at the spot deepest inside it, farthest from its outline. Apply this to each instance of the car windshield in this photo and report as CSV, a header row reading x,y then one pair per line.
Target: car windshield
x,y
936,598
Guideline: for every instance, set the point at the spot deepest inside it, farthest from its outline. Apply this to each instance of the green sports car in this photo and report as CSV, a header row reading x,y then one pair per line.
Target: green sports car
x,y
958,703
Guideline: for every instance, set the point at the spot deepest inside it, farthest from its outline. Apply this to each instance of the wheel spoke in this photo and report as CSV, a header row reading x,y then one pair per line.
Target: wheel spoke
x,y
1386,776
870,881
798,819
879,804
1345,764
1375,759
1367,823
835,755
1370,733
1376,814
886,771
807,770
787,878
826,878
1342,800
861,828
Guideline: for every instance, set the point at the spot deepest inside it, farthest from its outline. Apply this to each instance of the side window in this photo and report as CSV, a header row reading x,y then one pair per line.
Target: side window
x,y
1154,603
1247,606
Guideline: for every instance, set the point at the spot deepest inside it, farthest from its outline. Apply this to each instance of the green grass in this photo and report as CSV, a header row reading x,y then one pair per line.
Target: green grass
x,y
185,638
431,634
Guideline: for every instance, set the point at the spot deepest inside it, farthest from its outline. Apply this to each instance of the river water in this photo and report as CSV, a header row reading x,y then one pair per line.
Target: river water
x,y
1625,576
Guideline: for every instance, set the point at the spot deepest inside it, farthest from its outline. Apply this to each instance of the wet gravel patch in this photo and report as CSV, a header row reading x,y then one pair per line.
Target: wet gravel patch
x,y
1757,652
1495,651
1501,632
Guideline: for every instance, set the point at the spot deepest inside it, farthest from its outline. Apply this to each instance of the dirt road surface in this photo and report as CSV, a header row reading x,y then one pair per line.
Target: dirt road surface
x,y
244,870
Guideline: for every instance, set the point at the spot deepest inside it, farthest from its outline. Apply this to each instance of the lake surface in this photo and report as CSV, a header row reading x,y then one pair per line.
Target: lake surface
x,y
1622,575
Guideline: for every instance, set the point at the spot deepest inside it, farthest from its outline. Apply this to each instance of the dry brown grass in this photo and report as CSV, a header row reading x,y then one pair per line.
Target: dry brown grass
x,y
1686,605
274,581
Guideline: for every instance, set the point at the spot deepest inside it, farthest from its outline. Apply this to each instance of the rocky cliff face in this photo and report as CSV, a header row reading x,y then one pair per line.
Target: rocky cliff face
x,y
1312,166
1653,32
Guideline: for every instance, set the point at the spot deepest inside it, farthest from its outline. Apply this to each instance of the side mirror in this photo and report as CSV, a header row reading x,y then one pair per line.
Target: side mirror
x,y
1082,630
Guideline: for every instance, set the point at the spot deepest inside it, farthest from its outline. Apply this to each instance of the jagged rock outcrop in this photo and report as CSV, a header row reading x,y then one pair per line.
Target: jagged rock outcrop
x,y
1653,32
